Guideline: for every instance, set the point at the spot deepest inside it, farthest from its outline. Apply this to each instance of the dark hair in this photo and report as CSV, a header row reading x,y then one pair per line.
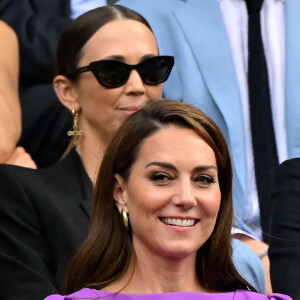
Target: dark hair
x,y
80,30
107,252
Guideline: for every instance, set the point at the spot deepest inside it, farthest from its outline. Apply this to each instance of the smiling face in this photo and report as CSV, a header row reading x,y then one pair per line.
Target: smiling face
x,y
102,109
172,194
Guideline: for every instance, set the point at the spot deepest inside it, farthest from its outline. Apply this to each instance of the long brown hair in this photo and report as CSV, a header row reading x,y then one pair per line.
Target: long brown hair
x,y
108,251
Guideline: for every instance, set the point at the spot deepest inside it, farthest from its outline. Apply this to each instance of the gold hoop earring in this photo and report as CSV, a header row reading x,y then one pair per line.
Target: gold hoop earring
x,y
125,218
75,132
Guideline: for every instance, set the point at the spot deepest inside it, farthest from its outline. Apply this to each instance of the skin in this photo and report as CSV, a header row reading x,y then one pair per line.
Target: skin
x,y
175,176
10,109
102,110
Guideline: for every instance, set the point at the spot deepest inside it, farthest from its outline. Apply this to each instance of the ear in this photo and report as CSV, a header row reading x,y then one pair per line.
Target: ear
x,y
120,193
66,91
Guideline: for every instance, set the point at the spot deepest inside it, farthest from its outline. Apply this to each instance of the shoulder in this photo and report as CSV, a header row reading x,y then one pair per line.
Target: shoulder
x,y
69,162
279,297
15,174
20,188
84,293
247,295
58,188
288,169
156,12
290,164
19,183
68,166
137,4
238,295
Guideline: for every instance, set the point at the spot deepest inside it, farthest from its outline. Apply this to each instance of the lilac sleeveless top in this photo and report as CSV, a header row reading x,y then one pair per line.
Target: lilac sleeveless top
x,y
90,294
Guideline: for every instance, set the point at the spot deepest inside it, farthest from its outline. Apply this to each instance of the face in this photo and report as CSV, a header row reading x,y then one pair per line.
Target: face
x,y
172,195
104,109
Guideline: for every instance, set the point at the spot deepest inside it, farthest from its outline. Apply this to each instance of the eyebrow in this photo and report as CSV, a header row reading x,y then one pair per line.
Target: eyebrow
x,y
172,167
122,58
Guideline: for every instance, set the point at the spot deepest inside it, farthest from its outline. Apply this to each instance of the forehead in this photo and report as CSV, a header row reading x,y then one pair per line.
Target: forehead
x,y
121,38
178,145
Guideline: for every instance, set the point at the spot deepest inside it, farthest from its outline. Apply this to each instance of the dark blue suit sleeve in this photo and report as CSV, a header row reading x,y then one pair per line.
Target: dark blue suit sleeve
x,y
26,266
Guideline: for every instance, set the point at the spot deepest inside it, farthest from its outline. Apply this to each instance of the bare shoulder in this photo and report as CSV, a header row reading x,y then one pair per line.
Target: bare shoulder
x,y
247,295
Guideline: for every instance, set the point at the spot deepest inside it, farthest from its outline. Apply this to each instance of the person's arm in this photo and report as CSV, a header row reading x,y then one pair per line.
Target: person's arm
x,y
27,269
10,110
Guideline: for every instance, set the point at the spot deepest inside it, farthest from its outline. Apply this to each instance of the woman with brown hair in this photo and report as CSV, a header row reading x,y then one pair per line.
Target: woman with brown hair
x,y
162,214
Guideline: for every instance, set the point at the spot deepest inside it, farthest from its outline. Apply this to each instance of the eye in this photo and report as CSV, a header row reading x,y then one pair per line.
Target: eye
x,y
160,177
205,179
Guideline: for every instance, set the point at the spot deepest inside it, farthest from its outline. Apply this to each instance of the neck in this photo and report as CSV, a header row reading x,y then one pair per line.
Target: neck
x,y
91,154
165,277
156,274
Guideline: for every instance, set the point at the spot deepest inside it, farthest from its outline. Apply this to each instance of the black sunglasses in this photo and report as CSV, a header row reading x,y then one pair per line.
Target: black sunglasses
x,y
114,73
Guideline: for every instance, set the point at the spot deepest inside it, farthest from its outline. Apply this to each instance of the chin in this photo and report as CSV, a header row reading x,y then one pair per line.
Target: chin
x,y
179,253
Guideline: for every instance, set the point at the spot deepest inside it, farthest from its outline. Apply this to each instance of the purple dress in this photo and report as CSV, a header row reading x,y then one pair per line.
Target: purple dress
x,y
90,294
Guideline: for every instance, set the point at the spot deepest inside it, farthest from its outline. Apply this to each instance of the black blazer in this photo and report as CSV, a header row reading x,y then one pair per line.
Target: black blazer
x,y
284,251
39,24
44,218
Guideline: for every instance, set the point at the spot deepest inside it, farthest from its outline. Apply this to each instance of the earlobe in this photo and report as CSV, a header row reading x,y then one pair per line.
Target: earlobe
x,y
65,90
119,193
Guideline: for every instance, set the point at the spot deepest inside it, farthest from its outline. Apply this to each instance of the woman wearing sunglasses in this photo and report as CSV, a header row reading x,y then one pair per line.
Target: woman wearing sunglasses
x,y
107,67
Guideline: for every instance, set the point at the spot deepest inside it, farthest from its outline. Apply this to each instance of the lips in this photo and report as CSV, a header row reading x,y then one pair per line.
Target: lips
x,y
188,222
131,109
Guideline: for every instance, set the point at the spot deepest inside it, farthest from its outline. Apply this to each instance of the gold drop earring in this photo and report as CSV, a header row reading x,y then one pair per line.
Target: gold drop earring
x,y
124,217
76,132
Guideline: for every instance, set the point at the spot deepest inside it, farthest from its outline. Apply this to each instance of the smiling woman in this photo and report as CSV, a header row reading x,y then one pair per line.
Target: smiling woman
x,y
172,194
162,214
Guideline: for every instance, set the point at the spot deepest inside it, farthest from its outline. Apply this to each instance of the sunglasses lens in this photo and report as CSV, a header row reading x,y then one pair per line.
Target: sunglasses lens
x,y
110,73
113,73
156,69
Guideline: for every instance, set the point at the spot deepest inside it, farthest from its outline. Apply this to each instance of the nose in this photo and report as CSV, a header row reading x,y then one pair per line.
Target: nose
x,y
184,196
134,84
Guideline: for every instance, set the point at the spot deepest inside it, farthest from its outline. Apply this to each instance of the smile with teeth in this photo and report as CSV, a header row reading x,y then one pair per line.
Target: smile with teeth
x,y
179,222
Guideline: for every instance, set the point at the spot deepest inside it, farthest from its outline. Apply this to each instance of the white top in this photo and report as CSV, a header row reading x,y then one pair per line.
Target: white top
x,y
79,7
273,26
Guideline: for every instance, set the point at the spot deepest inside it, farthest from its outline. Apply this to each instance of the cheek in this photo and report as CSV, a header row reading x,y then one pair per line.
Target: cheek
x,y
145,203
105,99
154,91
93,94
212,203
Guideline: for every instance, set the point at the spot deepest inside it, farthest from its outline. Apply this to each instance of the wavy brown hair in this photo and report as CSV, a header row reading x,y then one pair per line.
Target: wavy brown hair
x,y
108,251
